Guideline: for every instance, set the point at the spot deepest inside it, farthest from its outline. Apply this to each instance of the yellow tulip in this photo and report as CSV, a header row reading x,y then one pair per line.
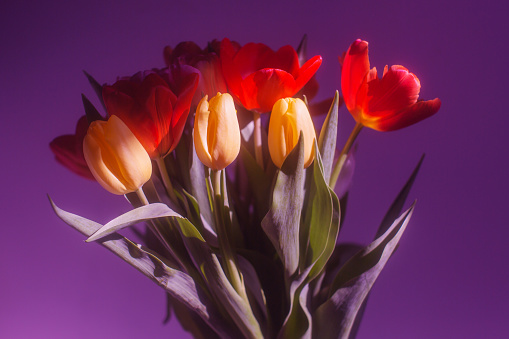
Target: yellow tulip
x,y
288,118
115,157
216,131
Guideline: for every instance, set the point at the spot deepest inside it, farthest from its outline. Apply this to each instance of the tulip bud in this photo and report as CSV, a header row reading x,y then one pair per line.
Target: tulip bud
x,y
115,157
216,131
288,118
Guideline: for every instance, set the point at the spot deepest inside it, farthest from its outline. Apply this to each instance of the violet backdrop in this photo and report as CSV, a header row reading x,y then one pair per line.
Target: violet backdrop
x,y
448,278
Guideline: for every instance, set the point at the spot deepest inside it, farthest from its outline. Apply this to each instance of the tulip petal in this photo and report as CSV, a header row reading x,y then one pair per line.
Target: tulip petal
x,y
306,72
397,90
264,87
409,116
230,72
355,66
287,60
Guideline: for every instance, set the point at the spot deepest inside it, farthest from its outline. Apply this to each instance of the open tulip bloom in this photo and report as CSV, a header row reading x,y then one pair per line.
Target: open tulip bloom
x,y
244,249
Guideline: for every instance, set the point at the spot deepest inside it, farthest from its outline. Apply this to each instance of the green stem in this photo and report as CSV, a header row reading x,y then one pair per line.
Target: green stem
x,y
344,153
166,179
258,138
224,242
155,225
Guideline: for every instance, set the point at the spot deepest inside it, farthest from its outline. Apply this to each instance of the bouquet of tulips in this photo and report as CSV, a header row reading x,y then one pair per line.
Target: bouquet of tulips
x,y
240,201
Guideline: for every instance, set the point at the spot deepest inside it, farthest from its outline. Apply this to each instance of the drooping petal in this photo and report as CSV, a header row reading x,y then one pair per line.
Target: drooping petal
x,y
409,116
355,66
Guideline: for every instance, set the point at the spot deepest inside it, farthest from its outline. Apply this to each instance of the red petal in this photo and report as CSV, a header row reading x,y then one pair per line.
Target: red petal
x,y
306,72
68,150
181,109
254,57
397,90
231,75
265,87
409,116
354,69
287,60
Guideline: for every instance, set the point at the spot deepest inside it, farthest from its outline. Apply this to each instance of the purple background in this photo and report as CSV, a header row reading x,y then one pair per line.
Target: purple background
x,y
449,277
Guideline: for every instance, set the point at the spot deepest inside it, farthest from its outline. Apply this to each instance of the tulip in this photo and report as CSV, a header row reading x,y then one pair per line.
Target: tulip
x,y
385,104
68,150
258,77
216,131
116,158
204,62
154,106
288,118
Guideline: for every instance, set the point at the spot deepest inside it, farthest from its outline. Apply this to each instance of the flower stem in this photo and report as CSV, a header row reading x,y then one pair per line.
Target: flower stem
x,y
258,138
344,153
154,225
166,179
224,242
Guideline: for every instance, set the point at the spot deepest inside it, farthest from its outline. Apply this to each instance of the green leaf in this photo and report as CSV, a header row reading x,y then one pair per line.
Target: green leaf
x,y
302,50
320,227
178,284
327,138
335,317
199,186
219,285
137,215
397,205
97,87
281,223
90,111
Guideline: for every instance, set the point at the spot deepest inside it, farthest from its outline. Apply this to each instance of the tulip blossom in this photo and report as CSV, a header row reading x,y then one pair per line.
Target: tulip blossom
x,y
115,157
154,106
288,118
68,150
216,131
258,77
205,62
385,104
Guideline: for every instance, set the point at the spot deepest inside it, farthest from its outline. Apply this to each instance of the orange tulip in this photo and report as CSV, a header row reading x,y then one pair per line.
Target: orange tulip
x,y
115,157
217,131
385,104
288,118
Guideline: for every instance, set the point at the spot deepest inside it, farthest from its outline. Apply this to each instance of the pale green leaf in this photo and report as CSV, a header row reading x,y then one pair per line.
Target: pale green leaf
x,y
281,223
327,138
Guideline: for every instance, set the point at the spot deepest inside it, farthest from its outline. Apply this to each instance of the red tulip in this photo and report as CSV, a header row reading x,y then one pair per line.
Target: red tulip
x,y
205,62
385,104
68,150
154,106
258,77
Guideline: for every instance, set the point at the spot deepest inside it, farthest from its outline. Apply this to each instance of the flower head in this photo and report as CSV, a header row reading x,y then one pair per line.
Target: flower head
x,y
383,104
288,118
154,106
205,62
216,131
258,77
115,157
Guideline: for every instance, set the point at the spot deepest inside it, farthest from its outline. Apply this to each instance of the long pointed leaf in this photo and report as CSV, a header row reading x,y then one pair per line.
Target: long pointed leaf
x,y
335,318
180,285
320,226
137,215
97,87
397,205
281,224
328,136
